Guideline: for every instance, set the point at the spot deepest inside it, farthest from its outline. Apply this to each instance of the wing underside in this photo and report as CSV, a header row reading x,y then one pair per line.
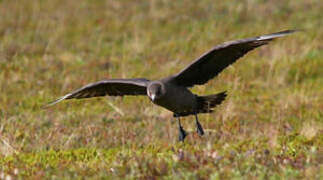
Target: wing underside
x,y
112,87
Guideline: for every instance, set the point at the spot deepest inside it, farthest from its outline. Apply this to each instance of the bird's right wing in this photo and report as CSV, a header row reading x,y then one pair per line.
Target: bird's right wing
x,y
111,87
214,61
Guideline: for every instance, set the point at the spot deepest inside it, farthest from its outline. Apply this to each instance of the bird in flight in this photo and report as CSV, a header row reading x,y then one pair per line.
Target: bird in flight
x,y
173,92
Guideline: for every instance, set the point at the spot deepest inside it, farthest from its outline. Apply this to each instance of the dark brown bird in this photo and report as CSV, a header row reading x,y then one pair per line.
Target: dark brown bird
x,y
172,92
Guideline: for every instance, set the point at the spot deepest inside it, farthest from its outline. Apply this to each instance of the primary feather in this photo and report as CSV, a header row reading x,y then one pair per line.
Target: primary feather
x,y
111,87
218,58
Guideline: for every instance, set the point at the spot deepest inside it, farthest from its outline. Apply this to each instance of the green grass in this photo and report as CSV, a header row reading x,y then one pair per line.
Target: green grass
x,y
269,127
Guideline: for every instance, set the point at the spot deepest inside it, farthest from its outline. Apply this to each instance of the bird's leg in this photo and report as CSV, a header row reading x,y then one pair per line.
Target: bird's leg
x,y
182,132
199,128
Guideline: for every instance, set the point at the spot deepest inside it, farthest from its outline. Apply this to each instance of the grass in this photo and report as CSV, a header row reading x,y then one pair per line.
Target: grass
x,y
269,127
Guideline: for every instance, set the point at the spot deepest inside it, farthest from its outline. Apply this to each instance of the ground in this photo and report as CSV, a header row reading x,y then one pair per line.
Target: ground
x,y
269,127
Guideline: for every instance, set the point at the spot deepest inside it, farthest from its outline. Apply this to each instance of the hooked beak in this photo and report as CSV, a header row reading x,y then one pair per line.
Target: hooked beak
x,y
153,96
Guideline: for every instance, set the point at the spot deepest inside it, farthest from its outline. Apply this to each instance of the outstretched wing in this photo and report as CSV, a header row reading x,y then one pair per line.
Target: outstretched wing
x,y
214,61
112,87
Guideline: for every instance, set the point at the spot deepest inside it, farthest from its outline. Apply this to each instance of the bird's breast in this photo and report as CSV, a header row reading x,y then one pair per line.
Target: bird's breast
x,y
177,99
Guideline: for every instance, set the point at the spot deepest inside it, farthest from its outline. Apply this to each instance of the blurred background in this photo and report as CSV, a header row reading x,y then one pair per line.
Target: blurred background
x,y
275,93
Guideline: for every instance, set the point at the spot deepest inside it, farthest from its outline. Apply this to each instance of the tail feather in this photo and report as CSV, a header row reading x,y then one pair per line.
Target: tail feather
x,y
206,103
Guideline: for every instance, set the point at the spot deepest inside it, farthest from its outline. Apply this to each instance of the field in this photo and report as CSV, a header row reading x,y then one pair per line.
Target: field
x,y
269,127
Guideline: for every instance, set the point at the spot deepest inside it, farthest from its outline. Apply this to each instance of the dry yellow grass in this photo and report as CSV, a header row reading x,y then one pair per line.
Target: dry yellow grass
x,y
270,125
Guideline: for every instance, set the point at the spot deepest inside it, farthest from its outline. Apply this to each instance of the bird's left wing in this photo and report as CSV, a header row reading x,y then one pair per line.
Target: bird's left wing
x,y
214,61
111,87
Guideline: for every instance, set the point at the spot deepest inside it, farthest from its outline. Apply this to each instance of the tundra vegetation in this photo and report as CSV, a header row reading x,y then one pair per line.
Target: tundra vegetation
x,y
269,126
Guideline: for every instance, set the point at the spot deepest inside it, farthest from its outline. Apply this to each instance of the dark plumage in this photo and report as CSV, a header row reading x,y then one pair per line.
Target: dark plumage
x,y
172,92
111,87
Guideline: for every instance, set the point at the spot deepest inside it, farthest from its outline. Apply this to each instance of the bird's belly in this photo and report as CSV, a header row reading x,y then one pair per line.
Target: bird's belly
x,y
181,103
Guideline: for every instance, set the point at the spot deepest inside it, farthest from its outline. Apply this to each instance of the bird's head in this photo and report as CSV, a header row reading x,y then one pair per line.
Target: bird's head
x,y
155,91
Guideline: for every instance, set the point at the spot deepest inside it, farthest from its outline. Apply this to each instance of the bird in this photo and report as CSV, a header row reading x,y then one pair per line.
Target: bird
x,y
173,92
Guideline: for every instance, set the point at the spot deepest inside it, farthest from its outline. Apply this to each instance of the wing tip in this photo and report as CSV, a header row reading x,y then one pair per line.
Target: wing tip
x,y
278,34
55,102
